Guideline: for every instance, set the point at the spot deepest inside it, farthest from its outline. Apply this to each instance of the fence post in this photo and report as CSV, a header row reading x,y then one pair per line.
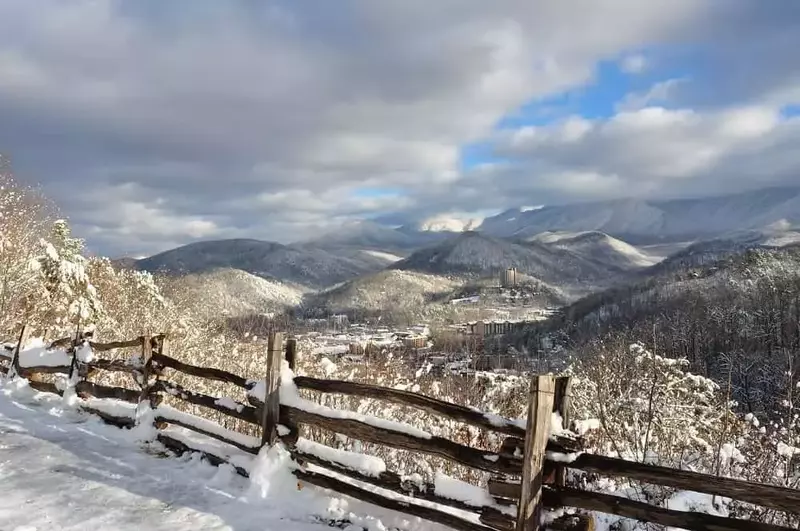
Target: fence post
x,y
155,397
291,358
147,355
563,396
272,402
537,431
15,368
75,367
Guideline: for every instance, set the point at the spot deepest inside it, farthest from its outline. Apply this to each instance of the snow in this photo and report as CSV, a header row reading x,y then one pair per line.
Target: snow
x,y
366,464
170,413
389,257
562,458
327,367
36,354
787,451
84,353
229,403
64,469
116,408
290,396
455,489
587,425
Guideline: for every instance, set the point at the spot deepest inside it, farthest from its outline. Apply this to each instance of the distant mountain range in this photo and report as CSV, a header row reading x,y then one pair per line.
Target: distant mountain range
x,y
302,265
648,221
572,250
474,255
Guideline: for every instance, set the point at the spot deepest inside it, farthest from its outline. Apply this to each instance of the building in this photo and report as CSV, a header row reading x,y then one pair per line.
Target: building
x,y
508,279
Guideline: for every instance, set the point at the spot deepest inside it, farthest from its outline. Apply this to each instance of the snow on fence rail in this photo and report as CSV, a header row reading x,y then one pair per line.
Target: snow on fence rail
x,y
528,471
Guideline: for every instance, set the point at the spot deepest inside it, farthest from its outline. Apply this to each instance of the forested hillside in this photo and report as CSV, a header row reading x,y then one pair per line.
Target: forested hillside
x,y
736,320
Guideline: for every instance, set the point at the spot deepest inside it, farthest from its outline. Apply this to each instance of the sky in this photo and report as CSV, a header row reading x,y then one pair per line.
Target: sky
x,y
153,124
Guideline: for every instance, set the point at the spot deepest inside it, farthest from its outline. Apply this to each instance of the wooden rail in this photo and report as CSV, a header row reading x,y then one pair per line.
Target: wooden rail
x,y
201,372
770,496
542,483
604,503
407,398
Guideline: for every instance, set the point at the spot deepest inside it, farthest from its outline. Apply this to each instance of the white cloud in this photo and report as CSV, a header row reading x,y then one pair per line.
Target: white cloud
x,y
207,119
659,94
633,64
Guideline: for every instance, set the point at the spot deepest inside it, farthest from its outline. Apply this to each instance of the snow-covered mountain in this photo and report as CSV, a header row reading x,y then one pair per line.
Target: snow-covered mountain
x,y
473,255
595,245
637,220
390,290
307,266
445,223
234,292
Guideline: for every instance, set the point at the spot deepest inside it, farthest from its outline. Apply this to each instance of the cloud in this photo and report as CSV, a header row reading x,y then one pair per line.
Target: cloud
x,y
154,123
660,93
633,64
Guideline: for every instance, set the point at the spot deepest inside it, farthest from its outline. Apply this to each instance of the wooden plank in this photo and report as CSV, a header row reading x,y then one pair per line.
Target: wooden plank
x,y
291,438
407,398
86,388
537,432
770,496
572,522
21,340
561,405
395,482
113,366
504,489
44,387
213,435
243,412
120,422
180,448
201,372
144,374
438,446
593,501
426,513
154,394
271,410
111,345
44,369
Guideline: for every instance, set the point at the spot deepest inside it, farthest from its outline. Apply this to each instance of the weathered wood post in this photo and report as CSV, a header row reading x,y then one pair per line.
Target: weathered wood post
x,y
537,432
15,368
154,393
270,413
76,368
561,405
291,359
144,374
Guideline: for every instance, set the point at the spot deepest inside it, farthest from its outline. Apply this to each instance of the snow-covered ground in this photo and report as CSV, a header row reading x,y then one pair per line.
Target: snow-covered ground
x,y
62,469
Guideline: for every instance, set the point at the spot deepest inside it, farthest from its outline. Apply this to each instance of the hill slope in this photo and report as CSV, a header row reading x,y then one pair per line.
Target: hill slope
x,y
234,292
306,266
472,255
594,245
389,291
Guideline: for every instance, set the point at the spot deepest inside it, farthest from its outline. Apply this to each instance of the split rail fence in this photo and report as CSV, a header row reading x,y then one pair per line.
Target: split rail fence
x,y
528,473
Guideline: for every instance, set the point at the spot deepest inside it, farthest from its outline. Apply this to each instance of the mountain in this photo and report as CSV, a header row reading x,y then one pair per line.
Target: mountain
x,y
650,221
387,291
234,292
305,266
473,255
595,245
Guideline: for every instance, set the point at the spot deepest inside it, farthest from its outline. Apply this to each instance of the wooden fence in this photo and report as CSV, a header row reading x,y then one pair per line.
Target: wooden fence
x,y
528,473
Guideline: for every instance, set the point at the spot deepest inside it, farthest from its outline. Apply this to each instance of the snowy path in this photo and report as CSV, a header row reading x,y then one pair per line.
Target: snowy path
x,y
62,469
